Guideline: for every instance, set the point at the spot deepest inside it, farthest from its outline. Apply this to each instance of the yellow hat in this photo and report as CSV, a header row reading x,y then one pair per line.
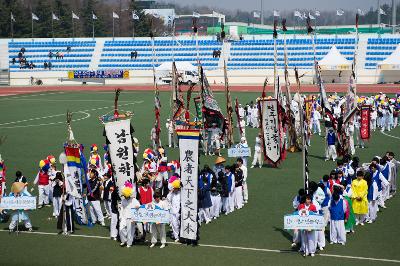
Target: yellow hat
x,y
176,183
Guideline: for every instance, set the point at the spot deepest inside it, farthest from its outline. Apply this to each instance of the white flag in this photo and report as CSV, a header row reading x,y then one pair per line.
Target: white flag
x,y
339,12
94,16
381,11
297,14
34,17
196,15
360,12
215,14
256,14
74,15
276,13
54,16
311,16
12,17
135,16
304,15
317,13
115,15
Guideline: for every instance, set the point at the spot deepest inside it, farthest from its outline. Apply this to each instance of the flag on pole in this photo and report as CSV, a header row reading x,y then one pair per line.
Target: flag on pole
x,y
311,16
54,17
34,17
339,12
196,15
317,13
94,16
74,16
360,12
357,18
381,11
256,14
135,16
309,27
297,14
12,17
276,13
115,15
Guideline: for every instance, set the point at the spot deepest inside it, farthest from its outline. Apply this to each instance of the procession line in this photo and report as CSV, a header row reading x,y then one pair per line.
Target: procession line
x,y
49,124
390,135
50,116
228,247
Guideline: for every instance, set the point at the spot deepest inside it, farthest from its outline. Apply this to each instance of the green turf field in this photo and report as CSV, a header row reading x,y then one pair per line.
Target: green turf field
x,y
35,127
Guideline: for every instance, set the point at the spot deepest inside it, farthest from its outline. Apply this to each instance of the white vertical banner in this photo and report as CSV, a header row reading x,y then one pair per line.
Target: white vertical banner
x,y
270,129
121,150
189,160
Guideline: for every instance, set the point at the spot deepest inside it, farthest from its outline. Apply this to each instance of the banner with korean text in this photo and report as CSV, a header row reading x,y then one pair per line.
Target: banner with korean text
x,y
270,129
18,203
189,160
365,128
121,150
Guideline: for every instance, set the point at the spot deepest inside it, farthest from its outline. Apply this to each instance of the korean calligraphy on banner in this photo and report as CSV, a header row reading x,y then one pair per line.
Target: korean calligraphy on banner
x,y
365,122
121,150
189,160
270,129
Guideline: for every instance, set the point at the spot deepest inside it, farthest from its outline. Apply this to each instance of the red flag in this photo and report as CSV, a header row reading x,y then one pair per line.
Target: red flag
x,y
365,122
357,18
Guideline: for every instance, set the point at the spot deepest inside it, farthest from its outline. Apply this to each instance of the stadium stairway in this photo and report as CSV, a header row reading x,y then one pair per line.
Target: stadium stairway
x,y
225,53
362,54
98,49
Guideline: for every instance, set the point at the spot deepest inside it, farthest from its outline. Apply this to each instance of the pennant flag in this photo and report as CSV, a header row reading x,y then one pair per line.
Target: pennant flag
x,y
276,13
135,16
54,17
12,17
339,12
34,17
115,15
229,109
309,27
381,11
298,14
317,13
357,18
196,15
311,16
284,25
94,16
256,14
74,16
275,32
365,129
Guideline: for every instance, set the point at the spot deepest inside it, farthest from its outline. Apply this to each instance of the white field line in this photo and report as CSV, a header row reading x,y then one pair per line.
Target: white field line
x,y
389,135
228,247
30,95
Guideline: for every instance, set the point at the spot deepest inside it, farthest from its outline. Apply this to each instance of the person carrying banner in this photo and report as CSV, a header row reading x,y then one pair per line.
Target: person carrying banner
x,y
95,157
357,125
18,190
308,245
157,228
257,159
126,224
94,197
65,222
331,148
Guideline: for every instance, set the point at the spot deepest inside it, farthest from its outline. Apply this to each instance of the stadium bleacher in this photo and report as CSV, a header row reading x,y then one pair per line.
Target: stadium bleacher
x,y
379,49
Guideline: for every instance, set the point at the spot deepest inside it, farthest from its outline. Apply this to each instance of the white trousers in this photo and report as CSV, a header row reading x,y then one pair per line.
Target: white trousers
x,y
327,214
113,225
257,158
216,206
380,200
331,152
317,127
56,206
360,218
372,210
107,207
338,232
320,238
127,231
351,144
43,194
204,215
238,197
308,245
225,205
359,141
245,192
175,224
231,201
13,224
385,192
296,236
95,211
158,229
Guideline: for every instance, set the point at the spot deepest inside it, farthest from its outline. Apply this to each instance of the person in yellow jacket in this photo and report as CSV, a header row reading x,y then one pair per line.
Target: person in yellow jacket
x,y
359,188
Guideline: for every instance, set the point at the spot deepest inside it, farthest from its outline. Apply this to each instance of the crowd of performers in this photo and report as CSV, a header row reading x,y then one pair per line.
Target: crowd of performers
x,y
351,195
221,190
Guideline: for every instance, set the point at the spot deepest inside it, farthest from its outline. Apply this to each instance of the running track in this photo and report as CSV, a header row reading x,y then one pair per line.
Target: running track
x,y
330,88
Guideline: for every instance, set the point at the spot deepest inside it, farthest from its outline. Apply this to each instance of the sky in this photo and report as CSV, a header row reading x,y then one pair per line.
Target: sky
x,y
250,5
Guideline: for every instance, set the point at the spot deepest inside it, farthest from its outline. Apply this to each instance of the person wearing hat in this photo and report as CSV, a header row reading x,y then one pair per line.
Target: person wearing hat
x,y
174,201
157,228
170,129
95,157
94,196
219,165
331,148
43,181
126,224
257,152
18,190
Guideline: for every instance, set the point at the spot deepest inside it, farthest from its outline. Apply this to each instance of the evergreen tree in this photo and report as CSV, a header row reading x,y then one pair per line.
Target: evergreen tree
x,y
42,28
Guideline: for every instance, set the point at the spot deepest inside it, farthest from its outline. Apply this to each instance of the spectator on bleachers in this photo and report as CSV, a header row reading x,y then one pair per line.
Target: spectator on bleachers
x,y
22,50
20,55
133,54
45,65
241,37
31,65
21,64
49,65
61,55
13,61
57,55
50,55
68,49
32,81
216,54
